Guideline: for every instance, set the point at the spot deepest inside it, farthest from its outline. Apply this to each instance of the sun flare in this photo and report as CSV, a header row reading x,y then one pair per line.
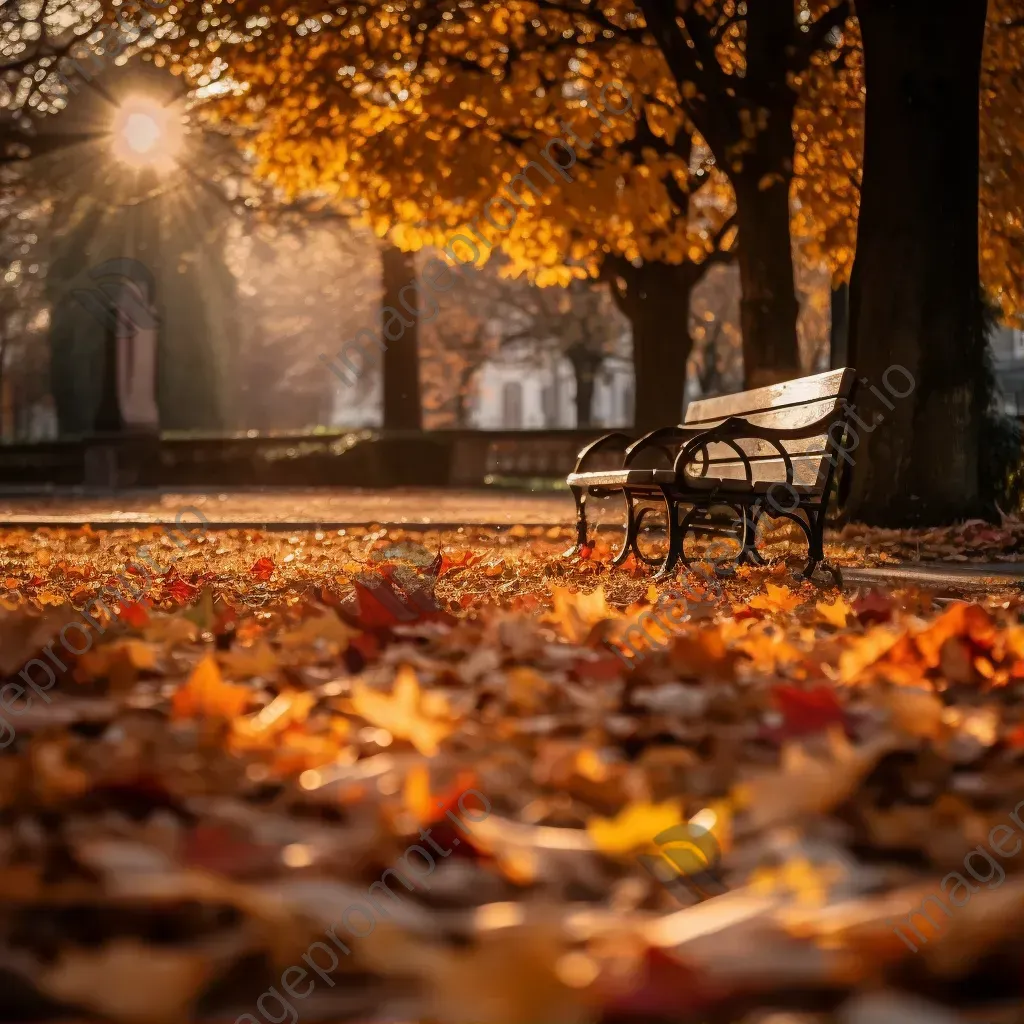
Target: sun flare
x,y
146,134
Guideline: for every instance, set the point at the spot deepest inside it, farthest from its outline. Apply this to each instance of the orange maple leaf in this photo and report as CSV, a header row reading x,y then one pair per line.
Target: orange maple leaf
x,y
206,694
776,599
834,614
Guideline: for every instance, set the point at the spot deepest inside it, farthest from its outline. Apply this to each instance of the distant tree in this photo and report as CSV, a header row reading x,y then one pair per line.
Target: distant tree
x,y
493,317
481,90
577,323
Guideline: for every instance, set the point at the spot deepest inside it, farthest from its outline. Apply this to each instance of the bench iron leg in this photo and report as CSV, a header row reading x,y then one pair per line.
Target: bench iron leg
x,y
632,530
814,551
675,538
579,495
817,548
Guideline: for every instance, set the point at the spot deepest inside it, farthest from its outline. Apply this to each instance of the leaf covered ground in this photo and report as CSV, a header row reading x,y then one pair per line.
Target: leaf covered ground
x,y
262,726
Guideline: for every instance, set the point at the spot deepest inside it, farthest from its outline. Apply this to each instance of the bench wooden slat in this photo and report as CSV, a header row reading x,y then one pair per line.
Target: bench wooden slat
x,y
650,479
778,398
755,448
807,471
784,419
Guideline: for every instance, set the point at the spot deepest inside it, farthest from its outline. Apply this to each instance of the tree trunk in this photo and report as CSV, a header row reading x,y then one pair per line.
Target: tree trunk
x,y
761,176
655,297
585,365
915,309
768,306
584,399
839,332
401,363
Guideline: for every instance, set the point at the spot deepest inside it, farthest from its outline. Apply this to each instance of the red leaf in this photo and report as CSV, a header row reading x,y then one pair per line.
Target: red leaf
x,y
136,615
226,851
378,606
180,591
262,569
806,711
874,606
602,669
447,833
381,605
461,561
367,645
666,988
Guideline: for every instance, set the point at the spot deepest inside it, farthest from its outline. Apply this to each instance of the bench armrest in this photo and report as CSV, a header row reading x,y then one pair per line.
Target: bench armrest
x,y
667,439
607,441
735,428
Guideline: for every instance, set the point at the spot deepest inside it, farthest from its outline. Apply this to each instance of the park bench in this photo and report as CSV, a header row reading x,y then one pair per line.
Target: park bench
x,y
768,452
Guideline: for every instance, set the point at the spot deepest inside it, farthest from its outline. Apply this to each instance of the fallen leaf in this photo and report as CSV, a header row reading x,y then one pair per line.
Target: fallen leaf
x,y
776,599
634,827
807,711
262,569
206,694
400,712
836,613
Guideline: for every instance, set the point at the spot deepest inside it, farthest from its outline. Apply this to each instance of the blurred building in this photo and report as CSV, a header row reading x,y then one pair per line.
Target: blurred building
x,y
511,396
1008,362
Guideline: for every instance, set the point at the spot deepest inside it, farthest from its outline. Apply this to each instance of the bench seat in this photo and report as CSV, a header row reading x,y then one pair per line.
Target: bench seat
x,y
654,479
771,452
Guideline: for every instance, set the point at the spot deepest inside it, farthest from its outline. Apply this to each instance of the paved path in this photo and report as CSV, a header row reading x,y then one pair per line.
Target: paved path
x,y
295,509
411,509
958,576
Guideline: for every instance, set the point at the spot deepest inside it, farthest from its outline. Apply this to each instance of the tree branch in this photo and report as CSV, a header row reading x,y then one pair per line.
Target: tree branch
x,y
814,38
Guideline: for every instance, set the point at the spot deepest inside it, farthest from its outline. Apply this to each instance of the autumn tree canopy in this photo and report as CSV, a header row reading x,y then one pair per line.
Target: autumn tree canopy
x,y
424,110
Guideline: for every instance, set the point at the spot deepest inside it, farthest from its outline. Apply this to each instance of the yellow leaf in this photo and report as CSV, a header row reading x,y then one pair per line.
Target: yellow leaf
x,y
916,711
327,627
576,613
287,709
416,794
140,654
634,828
865,651
526,687
834,614
400,713
776,599
245,662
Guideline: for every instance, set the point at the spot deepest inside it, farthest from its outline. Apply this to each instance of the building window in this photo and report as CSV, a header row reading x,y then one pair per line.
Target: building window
x,y
547,406
512,405
1018,344
628,403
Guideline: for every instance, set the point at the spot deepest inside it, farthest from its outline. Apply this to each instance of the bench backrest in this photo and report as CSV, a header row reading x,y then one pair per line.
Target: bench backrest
x,y
794,403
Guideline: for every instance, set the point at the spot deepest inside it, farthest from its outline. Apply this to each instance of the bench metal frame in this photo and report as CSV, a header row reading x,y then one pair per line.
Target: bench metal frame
x,y
682,446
